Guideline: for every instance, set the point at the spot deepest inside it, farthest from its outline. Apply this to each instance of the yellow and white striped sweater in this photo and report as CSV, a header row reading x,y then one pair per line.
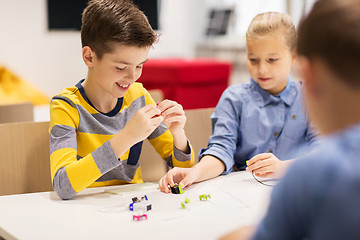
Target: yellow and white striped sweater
x,y
80,152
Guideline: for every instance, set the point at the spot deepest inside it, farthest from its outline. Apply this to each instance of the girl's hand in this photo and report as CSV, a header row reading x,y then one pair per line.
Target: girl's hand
x,y
182,176
174,116
265,165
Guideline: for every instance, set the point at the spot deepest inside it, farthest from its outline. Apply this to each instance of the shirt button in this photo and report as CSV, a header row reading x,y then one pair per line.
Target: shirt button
x,y
276,134
294,116
270,151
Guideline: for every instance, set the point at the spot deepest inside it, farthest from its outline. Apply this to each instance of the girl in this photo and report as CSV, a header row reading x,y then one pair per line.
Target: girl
x,y
259,122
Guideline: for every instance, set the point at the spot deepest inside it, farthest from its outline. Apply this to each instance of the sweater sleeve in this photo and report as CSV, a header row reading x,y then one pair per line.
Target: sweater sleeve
x,y
71,173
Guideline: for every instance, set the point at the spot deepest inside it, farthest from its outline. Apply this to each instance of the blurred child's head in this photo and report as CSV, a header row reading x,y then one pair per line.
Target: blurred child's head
x,y
329,60
106,23
270,45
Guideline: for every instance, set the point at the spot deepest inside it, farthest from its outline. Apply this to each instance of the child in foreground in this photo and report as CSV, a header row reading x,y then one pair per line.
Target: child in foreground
x,y
262,121
98,125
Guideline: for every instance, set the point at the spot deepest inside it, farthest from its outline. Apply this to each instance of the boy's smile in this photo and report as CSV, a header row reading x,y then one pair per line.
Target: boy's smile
x,y
124,86
111,76
269,62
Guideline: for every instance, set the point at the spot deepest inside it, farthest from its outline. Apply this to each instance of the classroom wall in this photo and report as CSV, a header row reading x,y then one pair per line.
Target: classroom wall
x,y
52,60
48,60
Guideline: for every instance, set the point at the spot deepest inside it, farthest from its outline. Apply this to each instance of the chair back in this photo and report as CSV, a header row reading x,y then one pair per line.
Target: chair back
x,y
198,131
157,95
25,158
18,112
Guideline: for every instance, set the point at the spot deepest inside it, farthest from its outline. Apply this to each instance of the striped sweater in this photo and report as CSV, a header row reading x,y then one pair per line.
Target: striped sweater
x,y
80,152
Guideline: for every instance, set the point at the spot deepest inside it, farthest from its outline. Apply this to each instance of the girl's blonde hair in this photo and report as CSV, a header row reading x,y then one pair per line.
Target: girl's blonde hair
x,y
273,24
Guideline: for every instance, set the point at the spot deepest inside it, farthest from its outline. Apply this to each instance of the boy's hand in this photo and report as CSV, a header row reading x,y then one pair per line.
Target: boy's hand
x,y
143,123
174,115
265,165
182,176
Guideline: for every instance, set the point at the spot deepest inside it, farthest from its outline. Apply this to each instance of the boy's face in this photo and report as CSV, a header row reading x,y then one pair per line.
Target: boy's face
x,y
326,97
116,71
269,62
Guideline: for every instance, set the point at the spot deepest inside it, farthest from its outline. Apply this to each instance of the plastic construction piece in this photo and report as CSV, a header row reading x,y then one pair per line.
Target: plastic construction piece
x,y
139,217
143,198
204,197
187,201
142,204
177,189
247,163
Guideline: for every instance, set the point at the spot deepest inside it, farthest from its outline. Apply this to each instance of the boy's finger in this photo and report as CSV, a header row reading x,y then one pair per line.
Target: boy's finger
x,y
161,185
186,181
146,108
175,119
156,121
152,112
165,104
165,185
169,179
173,110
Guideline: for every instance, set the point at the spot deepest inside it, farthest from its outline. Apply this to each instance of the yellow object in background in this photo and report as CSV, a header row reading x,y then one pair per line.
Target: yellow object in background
x,y
14,90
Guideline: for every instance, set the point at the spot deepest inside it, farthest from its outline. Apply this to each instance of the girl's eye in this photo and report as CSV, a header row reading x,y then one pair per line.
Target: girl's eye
x,y
272,60
139,67
253,60
120,69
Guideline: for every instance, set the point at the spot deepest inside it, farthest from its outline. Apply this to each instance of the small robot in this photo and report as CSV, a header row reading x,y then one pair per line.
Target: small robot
x,y
141,205
177,189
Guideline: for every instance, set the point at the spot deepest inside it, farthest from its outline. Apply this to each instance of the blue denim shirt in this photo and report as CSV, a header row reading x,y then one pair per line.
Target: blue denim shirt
x,y
319,196
248,120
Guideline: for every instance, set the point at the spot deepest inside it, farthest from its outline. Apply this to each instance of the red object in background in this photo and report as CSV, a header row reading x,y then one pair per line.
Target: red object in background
x,y
193,83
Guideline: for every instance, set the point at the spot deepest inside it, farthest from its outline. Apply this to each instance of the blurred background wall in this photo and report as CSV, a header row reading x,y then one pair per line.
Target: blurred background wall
x,y
51,60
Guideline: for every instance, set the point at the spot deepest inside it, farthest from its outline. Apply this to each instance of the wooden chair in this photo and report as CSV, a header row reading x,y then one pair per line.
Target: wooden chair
x,y
157,95
24,161
198,131
198,127
17,112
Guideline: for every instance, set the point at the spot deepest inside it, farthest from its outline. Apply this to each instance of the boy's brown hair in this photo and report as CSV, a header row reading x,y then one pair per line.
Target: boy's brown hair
x,y
331,32
273,24
105,22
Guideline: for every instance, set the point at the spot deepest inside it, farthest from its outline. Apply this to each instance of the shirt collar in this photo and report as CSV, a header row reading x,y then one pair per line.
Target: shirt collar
x,y
288,95
109,114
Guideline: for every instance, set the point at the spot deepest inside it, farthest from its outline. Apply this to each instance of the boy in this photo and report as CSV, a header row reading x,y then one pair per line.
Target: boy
x,y
319,196
97,126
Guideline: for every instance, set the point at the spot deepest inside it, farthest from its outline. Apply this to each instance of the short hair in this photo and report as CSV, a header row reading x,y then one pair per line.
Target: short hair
x,y
331,32
273,24
105,22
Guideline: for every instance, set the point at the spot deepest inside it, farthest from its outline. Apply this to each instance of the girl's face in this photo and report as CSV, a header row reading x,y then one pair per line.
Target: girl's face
x,y
269,62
